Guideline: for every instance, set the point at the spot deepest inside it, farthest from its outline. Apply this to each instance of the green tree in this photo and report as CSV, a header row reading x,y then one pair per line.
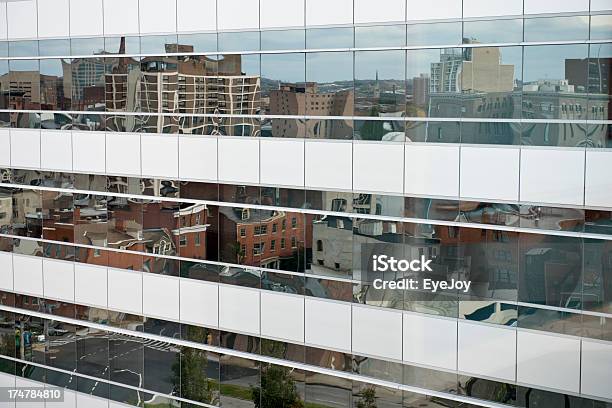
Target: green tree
x,y
189,371
277,389
367,398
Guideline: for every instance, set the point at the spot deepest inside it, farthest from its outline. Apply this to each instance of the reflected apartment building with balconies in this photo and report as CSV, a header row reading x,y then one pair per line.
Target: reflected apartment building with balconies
x,y
188,85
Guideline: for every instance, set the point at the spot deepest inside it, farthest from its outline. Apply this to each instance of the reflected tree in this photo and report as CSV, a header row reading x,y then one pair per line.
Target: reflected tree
x,y
189,372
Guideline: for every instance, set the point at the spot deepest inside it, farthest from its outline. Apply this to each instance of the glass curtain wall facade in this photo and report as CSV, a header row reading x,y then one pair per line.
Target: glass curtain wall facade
x,y
188,189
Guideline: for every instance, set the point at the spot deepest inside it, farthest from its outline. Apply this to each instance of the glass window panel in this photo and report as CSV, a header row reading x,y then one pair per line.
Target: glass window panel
x,y
239,93
387,130
280,387
329,84
125,395
490,213
201,335
494,264
25,219
328,128
280,282
23,83
200,191
126,355
283,350
549,320
30,372
486,389
332,253
198,231
434,34
125,223
199,376
58,251
7,335
238,377
380,36
283,197
435,132
366,393
597,278
327,391
160,218
434,82
291,257
197,94
153,44
239,41
121,45
551,270
88,46
598,82
58,216
239,194
321,38
30,337
597,327
200,271
161,367
489,85
282,83
281,127
380,86
449,259
4,49
601,27
55,91
550,218
87,80
430,379
554,134
90,219
121,81
550,81
493,31
239,241
598,222
557,28
506,133
197,42
283,40
156,92
59,48
61,345
23,48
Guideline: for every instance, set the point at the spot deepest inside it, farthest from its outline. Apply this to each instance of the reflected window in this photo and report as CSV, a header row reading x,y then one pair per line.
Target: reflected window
x,y
321,38
283,84
86,46
380,88
329,84
553,76
283,40
557,28
197,42
59,48
493,31
433,34
380,36
239,41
